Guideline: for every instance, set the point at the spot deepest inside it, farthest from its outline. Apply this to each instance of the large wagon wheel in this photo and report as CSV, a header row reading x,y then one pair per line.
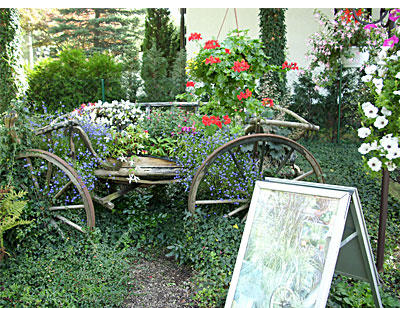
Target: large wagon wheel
x,y
225,181
56,184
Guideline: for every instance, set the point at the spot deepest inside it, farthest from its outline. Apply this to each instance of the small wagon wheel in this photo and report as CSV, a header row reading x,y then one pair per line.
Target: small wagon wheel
x,y
54,182
225,180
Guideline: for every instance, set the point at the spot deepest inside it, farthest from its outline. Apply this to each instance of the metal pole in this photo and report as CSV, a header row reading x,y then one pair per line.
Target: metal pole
x,y
340,102
103,95
382,220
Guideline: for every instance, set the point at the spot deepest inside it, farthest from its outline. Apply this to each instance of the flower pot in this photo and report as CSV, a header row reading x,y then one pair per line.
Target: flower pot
x,y
353,57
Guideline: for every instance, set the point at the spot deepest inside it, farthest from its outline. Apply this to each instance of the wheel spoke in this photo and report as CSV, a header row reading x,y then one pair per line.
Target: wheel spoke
x,y
237,164
63,190
49,172
304,175
66,207
240,208
35,182
67,221
200,202
263,149
283,162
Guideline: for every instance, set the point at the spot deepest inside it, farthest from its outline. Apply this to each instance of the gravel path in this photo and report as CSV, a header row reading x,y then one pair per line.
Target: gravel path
x,y
159,283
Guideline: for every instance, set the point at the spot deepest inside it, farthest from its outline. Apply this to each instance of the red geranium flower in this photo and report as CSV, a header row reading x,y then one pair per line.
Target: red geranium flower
x,y
194,36
212,60
211,44
268,102
206,120
227,51
227,120
240,66
190,84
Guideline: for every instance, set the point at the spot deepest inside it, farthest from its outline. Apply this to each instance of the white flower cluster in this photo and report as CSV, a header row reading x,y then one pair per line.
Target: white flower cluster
x,y
380,70
118,114
388,145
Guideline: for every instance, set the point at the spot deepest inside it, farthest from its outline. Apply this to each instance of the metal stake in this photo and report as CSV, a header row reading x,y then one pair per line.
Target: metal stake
x,y
382,220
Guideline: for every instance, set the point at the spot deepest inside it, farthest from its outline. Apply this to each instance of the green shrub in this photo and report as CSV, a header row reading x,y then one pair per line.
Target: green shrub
x,y
72,79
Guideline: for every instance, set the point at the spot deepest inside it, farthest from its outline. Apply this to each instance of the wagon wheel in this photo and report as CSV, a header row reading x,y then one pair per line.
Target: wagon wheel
x,y
54,182
225,181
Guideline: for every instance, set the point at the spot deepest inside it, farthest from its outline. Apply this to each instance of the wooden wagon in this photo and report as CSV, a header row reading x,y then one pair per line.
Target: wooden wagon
x,y
70,201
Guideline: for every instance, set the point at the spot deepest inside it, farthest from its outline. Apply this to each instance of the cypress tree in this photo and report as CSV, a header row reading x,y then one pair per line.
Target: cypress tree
x,y
163,63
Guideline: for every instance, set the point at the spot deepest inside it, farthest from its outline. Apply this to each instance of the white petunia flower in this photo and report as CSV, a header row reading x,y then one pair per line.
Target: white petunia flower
x,y
396,92
363,132
366,104
386,112
122,159
369,70
375,164
380,122
366,78
365,148
390,166
398,74
374,145
390,144
393,154
378,83
370,111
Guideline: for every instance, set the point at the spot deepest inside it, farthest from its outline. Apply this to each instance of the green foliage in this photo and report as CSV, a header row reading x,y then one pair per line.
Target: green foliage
x,y
83,273
72,79
320,105
273,37
10,56
11,208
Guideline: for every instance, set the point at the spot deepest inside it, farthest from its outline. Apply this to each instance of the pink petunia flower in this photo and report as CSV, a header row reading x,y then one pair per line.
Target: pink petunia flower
x,y
391,41
370,26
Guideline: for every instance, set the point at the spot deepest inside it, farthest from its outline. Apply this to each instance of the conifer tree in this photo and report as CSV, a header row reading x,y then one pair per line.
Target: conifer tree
x,y
98,29
161,46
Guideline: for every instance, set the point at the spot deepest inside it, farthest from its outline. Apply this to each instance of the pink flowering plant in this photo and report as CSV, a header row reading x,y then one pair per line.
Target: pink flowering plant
x,y
226,75
338,34
380,129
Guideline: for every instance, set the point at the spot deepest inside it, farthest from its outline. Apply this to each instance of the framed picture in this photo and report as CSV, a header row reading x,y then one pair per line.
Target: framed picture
x,y
289,246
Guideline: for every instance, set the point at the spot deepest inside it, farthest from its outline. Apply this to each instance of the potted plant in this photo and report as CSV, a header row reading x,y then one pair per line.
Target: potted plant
x,y
226,74
341,41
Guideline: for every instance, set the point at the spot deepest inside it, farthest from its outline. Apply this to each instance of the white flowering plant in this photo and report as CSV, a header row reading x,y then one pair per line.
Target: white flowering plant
x,y
337,35
381,119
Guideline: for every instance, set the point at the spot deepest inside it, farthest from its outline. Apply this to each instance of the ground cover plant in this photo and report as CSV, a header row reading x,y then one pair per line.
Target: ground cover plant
x,y
142,224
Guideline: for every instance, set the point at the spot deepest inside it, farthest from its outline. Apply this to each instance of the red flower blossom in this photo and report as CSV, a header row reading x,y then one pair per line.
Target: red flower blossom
x,y
206,120
268,102
348,16
211,44
227,51
292,66
244,95
240,66
190,84
227,120
212,60
194,36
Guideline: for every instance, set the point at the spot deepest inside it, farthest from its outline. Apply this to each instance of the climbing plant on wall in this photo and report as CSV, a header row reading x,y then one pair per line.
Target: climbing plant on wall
x,y
10,53
273,37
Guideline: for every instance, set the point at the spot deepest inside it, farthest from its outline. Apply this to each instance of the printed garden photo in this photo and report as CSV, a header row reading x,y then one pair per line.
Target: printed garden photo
x,y
286,249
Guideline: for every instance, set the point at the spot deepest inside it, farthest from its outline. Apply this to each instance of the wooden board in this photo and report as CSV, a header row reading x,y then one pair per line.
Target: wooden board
x,y
144,168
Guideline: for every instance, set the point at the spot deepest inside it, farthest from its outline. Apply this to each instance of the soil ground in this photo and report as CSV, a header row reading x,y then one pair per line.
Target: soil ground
x,y
159,283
